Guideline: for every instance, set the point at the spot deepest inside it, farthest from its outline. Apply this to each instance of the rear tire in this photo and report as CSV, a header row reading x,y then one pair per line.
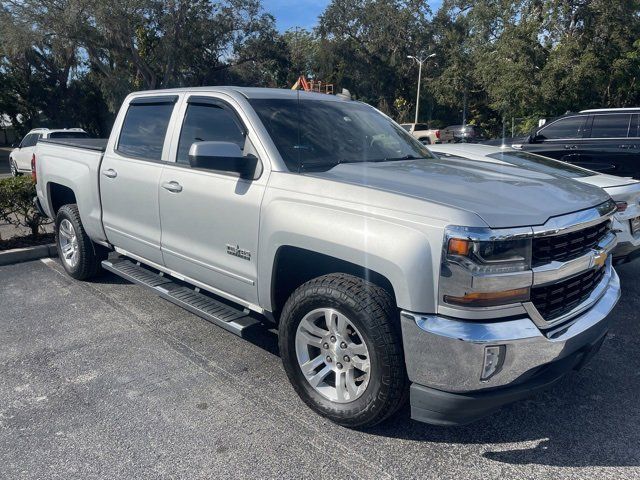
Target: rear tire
x,y
362,373
80,257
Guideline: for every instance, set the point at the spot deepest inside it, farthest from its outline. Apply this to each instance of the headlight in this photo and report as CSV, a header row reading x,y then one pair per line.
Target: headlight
x,y
484,268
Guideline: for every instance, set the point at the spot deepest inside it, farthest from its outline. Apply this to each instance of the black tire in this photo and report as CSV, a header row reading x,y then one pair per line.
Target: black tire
x,y
14,168
90,254
425,140
372,311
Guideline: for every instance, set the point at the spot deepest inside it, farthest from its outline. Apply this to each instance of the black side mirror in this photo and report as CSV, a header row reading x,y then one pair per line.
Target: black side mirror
x,y
225,157
15,145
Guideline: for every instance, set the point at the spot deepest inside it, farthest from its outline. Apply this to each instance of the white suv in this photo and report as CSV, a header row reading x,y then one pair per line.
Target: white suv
x,y
20,157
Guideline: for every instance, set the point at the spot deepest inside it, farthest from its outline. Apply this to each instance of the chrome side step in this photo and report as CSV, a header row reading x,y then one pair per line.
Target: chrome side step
x,y
232,319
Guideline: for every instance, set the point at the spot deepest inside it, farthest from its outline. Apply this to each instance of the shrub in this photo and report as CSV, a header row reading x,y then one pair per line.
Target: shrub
x,y
16,204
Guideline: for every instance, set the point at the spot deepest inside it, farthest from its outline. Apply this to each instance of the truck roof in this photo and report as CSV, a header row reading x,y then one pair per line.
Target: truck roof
x,y
248,92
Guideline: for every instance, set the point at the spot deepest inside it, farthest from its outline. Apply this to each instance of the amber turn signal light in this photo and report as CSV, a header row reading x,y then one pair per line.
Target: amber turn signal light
x,y
489,299
459,246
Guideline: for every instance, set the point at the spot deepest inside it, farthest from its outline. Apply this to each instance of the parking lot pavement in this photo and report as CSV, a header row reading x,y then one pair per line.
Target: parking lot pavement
x,y
105,380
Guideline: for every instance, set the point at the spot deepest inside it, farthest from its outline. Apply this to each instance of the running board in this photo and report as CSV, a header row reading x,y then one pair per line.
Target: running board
x,y
225,316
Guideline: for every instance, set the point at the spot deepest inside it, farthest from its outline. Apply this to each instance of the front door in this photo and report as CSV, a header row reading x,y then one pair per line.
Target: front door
x,y
210,220
130,176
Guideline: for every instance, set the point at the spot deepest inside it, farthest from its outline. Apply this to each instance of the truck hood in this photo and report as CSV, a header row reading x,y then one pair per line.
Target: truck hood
x,y
502,195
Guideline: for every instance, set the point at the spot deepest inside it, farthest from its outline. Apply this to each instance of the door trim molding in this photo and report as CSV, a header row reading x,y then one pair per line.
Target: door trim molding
x,y
235,276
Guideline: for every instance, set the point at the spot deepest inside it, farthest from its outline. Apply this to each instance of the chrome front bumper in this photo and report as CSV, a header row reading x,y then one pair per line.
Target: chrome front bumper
x,y
448,354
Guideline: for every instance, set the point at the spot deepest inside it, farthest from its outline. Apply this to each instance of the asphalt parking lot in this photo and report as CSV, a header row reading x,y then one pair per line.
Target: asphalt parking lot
x,y
105,380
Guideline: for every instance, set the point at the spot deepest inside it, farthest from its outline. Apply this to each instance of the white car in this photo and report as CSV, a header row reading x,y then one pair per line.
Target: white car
x,y
625,191
20,157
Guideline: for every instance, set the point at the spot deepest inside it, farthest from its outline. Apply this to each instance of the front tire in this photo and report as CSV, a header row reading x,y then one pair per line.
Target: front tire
x,y
341,349
81,258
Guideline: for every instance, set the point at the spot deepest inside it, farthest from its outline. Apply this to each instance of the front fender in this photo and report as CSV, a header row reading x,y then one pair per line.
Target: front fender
x,y
400,253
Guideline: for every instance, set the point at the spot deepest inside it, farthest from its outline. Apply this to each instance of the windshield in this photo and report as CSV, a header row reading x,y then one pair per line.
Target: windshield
x,y
315,135
542,164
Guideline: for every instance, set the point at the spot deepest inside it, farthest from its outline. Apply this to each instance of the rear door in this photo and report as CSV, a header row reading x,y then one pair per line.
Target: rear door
x,y
606,147
130,175
210,220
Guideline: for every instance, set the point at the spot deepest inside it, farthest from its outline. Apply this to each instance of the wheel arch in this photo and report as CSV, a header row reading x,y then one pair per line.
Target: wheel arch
x,y
294,266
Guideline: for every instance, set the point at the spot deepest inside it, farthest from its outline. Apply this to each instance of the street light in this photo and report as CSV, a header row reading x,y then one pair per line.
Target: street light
x,y
419,60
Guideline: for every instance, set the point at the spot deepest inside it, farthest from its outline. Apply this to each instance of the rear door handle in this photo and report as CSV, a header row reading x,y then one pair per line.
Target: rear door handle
x,y
111,173
571,147
172,186
626,146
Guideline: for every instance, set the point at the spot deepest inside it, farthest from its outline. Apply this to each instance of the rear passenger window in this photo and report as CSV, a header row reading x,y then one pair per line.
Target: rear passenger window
x,y
610,126
144,129
207,123
570,127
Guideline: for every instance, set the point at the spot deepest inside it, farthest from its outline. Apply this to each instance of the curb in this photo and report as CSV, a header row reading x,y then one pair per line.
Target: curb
x,y
19,255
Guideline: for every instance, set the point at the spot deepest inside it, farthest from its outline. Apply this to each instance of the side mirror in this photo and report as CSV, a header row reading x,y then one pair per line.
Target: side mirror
x,y
534,138
222,157
15,145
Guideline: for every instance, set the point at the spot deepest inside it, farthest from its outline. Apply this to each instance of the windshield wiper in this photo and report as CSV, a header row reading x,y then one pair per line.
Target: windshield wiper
x,y
395,159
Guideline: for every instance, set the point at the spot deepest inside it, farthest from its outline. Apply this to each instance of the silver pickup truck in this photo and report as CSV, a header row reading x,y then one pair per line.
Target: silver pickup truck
x,y
466,285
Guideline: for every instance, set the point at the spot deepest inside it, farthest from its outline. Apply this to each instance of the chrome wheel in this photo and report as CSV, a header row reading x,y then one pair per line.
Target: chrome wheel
x,y
14,170
68,243
332,355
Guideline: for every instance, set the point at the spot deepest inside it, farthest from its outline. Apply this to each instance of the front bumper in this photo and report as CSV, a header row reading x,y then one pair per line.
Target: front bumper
x,y
445,358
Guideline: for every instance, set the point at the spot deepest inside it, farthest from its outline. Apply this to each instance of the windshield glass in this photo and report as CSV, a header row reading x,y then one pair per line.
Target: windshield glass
x,y
542,164
315,135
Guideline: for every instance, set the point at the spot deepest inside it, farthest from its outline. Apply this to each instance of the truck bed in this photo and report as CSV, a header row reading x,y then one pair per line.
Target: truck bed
x,y
96,144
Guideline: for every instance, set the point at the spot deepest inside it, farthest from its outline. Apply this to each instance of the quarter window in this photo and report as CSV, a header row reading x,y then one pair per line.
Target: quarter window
x,y
144,130
610,126
207,123
570,127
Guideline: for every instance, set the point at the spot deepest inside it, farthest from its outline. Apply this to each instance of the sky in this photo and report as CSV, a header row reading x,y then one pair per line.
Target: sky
x,y
303,13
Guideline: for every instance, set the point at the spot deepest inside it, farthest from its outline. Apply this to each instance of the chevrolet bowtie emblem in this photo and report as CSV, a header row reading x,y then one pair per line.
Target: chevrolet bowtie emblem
x,y
600,258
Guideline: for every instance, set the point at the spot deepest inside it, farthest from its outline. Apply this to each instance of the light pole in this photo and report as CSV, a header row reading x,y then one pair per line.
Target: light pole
x,y
419,60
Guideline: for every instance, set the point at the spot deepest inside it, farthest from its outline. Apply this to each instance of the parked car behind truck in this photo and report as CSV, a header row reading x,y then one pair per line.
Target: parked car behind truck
x,y
624,191
606,140
422,132
386,269
20,157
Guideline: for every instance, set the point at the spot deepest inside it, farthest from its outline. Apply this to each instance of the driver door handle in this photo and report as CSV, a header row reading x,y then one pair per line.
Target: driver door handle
x,y
571,147
172,186
111,173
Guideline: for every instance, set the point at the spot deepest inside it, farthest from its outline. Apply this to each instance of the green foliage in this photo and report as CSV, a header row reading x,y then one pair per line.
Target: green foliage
x,y
67,63
16,204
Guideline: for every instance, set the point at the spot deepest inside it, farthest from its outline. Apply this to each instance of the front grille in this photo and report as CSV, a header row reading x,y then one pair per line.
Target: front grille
x,y
567,246
552,301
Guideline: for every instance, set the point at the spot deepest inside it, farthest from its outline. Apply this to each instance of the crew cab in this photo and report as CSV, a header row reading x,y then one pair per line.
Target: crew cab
x,y
387,270
624,191
20,157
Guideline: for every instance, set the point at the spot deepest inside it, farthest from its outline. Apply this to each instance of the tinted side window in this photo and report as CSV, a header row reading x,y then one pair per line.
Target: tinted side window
x,y
207,123
570,127
144,129
610,126
422,126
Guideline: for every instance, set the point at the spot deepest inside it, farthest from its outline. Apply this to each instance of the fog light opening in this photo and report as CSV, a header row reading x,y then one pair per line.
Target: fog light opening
x,y
493,361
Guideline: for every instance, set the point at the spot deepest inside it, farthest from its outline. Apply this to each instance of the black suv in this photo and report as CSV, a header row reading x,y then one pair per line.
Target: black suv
x,y
605,140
